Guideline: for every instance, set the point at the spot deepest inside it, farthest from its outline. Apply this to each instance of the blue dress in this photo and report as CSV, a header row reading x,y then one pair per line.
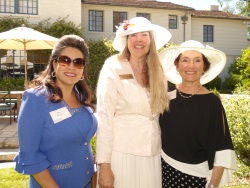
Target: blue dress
x,y
63,147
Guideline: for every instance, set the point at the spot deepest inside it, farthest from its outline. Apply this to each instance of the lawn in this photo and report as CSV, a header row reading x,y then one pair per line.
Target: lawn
x,y
10,178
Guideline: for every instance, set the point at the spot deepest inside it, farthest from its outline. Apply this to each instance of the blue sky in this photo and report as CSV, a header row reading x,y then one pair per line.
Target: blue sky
x,y
196,4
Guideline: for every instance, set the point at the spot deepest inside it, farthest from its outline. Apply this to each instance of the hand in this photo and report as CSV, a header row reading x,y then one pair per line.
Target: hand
x,y
45,179
211,186
106,176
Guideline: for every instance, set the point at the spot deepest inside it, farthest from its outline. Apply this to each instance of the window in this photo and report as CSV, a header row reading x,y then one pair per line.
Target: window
x,y
118,17
95,20
208,33
19,6
172,23
143,15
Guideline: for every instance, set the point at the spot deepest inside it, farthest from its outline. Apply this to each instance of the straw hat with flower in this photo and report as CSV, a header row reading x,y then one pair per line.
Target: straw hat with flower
x,y
140,24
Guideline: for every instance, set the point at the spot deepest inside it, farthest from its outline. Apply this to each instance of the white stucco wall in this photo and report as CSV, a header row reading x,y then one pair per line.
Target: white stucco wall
x,y
54,10
157,16
229,37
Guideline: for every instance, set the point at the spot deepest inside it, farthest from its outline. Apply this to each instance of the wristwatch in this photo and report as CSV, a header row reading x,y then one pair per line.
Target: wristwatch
x,y
211,186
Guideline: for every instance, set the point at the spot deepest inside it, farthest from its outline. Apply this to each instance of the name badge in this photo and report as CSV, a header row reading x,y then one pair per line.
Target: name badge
x,y
60,114
126,76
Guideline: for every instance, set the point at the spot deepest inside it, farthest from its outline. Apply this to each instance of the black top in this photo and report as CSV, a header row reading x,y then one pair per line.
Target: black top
x,y
195,128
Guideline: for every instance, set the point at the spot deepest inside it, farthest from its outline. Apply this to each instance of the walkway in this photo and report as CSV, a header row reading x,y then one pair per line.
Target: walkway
x,y
8,142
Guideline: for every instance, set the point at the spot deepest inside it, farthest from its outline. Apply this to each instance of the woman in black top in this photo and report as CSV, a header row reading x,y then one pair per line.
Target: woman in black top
x,y
197,149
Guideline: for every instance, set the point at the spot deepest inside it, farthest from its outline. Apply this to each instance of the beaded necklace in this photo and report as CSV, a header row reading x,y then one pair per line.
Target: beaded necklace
x,y
186,97
72,110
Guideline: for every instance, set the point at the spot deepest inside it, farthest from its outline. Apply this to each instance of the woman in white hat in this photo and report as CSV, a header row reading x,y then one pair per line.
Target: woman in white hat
x,y
131,93
197,149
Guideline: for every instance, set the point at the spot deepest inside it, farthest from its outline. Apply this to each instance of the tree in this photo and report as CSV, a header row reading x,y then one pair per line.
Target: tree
x,y
240,7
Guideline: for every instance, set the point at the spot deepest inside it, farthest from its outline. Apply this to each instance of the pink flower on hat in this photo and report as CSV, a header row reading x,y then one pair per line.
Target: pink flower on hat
x,y
126,24
136,25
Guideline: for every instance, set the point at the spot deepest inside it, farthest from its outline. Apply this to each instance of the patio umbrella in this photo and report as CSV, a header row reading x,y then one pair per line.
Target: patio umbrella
x,y
24,38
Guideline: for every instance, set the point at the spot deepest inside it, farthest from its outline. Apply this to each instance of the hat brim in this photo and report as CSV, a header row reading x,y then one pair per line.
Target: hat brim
x,y
161,35
216,58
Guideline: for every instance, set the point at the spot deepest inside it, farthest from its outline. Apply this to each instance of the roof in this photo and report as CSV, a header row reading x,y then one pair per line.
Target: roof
x,y
139,3
153,4
217,14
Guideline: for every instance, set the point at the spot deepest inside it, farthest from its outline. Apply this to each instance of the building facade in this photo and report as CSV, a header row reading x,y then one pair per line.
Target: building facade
x,y
98,18
224,31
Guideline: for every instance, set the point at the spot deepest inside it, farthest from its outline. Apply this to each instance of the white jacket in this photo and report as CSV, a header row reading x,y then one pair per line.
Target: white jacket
x,y
125,121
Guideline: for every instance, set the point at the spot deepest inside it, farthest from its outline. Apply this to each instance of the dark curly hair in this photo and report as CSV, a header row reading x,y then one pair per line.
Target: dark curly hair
x,y
82,90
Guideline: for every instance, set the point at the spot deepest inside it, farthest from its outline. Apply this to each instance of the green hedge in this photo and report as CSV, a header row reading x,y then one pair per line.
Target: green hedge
x,y
12,84
238,116
99,52
239,72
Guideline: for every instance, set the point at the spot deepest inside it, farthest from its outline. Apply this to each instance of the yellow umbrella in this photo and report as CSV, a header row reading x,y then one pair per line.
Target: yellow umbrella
x,y
24,38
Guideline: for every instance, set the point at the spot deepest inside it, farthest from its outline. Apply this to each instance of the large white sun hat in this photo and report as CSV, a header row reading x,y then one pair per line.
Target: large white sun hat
x,y
140,24
216,58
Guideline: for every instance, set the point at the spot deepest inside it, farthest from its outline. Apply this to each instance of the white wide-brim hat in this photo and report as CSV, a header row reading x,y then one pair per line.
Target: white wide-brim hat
x,y
140,24
216,58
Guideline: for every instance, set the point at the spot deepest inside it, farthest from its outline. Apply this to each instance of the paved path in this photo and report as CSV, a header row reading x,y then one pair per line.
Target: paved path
x,y
8,142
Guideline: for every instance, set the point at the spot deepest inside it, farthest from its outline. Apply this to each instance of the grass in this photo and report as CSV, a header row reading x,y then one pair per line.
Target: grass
x,y
10,178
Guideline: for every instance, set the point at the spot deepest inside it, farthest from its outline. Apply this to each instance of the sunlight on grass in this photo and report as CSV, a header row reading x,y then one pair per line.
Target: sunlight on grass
x,y
10,178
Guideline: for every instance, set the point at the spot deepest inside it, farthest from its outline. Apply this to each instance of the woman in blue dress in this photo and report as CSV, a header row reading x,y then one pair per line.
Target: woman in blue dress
x,y
56,121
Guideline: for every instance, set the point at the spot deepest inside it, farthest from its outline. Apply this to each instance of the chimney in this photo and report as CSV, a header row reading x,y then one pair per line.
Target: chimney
x,y
214,7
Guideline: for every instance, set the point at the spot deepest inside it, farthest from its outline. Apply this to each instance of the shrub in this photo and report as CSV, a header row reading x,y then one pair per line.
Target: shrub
x,y
99,52
59,28
12,84
214,84
239,72
10,22
238,116
93,145
231,82
215,91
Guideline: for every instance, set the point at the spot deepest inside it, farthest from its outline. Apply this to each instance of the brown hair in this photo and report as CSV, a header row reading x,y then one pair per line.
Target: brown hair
x,y
81,89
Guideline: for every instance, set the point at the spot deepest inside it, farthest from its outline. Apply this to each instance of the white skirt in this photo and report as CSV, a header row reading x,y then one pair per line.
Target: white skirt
x,y
132,171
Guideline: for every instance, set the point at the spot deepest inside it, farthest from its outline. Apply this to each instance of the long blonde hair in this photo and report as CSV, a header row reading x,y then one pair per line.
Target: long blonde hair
x,y
153,77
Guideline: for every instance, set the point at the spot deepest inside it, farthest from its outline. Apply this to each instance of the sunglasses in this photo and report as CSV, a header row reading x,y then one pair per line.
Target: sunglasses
x,y
65,61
